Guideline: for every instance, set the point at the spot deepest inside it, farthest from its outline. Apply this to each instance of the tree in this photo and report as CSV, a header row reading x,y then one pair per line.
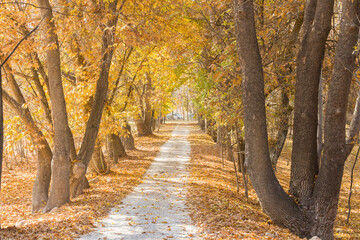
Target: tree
x,y
60,186
314,212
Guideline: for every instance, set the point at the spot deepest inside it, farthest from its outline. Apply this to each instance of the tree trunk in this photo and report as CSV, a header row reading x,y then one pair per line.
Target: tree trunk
x,y
354,127
43,173
60,188
317,216
126,137
115,147
148,111
202,123
309,62
93,123
279,143
327,187
274,201
98,163
142,128
221,135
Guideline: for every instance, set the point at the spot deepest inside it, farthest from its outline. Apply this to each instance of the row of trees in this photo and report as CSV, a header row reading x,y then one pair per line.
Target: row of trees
x,y
267,68
74,84
253,66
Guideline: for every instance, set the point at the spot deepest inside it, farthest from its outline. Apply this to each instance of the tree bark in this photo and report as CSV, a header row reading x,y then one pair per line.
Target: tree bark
x,y
143,124
317,24
354,127
115,147
279,143
126,137
327,187
93,123
274,201
320,143
98,163
60,188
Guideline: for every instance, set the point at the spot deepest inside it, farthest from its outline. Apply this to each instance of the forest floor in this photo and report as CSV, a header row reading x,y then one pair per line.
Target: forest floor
x,y
215,205
79,216
223,213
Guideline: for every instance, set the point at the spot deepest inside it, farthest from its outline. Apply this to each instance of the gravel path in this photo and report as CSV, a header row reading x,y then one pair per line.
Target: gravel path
x,y
156,208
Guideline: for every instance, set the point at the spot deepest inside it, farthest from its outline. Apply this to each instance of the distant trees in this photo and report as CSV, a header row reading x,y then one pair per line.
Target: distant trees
x,y
312,209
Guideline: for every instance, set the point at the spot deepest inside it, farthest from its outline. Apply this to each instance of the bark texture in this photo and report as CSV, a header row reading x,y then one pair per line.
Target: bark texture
x,y
144,123
327,188
317,24
285,112
115,147
98,164
274,201
60,188
316,212
126,137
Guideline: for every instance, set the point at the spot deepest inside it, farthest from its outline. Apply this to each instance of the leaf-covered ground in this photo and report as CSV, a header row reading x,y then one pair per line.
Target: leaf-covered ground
x,y
222,213
77,217
216,207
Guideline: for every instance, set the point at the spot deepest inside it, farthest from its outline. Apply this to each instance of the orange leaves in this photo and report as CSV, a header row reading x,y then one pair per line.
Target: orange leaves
x,y
77,217
221,212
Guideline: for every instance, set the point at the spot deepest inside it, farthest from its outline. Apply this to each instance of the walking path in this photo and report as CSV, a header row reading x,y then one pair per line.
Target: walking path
x,y
156,208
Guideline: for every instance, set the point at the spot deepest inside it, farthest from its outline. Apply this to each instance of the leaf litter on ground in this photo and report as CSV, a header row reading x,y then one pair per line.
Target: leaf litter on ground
x,y
80,215
222,213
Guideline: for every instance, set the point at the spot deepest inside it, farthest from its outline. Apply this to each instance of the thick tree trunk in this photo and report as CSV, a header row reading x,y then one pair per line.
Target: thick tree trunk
x,y
142,128
309,62
148,111
126,137
78,170
98,163
327,188
115,147
202,123
60,188
274,201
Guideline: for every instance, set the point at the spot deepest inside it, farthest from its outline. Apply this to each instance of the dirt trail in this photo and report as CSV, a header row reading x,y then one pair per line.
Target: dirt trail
x,y
156,208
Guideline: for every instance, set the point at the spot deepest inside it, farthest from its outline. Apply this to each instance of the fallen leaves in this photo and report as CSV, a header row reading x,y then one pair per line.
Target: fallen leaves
x,y
216,207
222,213
79,216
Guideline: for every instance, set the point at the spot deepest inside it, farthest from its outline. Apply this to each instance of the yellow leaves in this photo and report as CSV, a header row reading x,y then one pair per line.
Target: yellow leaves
x,y
78,217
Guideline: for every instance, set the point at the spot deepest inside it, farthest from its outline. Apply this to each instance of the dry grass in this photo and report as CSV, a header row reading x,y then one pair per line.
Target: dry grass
x,y
222,213
78,216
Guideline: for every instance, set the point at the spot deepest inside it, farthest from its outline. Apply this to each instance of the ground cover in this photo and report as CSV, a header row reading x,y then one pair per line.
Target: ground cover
x,y
78,216
222,213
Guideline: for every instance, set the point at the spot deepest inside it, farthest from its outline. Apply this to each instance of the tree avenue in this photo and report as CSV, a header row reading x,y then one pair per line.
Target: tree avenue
x,y
257,75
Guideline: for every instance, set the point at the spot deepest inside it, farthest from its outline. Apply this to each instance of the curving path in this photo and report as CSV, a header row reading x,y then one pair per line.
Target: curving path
x,y
156,208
